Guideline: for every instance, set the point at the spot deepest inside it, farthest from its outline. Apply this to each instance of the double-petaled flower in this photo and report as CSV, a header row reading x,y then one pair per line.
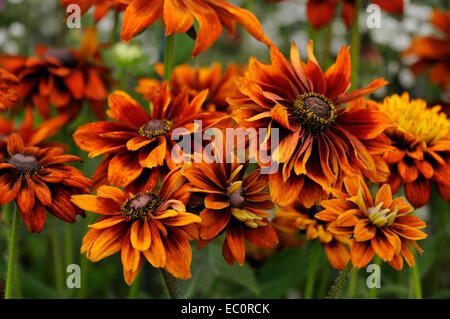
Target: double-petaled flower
x,y
433,53
62,77
382,226
9,90
139,144
320,141
421,148
38,180
233,204
146,225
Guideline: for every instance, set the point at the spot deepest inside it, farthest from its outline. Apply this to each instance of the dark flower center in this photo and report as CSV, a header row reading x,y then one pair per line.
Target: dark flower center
x,y
63,55
237,198
141,205
313,211
25,164
155,128
315,112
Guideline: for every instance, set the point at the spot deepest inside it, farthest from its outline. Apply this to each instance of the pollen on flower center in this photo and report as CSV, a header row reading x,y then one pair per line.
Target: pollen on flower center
x,y
63,55
25,164
141,205
155,128
315,112
381,217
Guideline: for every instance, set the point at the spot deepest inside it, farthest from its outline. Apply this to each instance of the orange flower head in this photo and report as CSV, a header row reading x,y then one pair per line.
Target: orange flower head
x,y
421,148
296,217
102,7
433,53
221,85
321,12
178,17
32,136
9,93
149,225
320,142
138,144
38,180
62,77
233,204
383,227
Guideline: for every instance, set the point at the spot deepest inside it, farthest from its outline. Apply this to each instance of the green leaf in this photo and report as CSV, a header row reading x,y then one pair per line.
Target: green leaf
x,y
242,275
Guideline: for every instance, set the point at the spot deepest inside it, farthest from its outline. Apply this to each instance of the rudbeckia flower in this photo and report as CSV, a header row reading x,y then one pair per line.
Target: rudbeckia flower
x,y
102,7
383,227
9,93
321,12
138,144
31,136
193,80
421,141
62,77
320,141
38,180
433,53
178,17
233,204
296,217
148,225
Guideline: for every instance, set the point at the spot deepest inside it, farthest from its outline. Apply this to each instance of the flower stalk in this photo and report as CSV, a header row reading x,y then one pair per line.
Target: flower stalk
x,y
12,255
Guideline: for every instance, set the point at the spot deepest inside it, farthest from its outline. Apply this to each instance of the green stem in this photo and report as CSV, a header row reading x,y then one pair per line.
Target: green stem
x,y
415,279
340,281
113,35
68,244
12,255
315,250
323,281
57,257
352,284
134,289
355,45
168,57
170,283
373,291
326,47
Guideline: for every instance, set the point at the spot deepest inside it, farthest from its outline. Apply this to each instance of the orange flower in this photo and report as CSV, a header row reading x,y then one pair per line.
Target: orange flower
x,y
147,225
233,204
320,142
194,80
296,218
381,227
433,53
62,77
31,136
9,94
178,17
421,154
102,7
139,144
321,12
39,180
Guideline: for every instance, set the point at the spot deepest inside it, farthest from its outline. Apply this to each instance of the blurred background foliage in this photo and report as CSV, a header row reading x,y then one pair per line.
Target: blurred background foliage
x,y
280,274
